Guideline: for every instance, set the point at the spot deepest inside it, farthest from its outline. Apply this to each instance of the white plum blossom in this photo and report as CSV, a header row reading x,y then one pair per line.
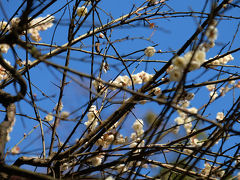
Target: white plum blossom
x,y
92,118
196,59
40,24
212,33
4,48
82,11
175,74
185,104
96,160
15,150
180,62
138,126
136,79
64,114
149,51
49,117
179,120
59,108
220,116
65,166
144,76
156,91
4,27
193,110
213,95
191,60
210,87
222,61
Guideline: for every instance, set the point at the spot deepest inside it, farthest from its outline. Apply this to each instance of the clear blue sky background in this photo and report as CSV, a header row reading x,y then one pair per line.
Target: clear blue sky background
x,y
171,35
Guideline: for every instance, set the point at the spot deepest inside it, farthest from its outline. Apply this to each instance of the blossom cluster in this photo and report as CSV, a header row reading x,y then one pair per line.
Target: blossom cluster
x,y
136,135
109,137
186,120
221,61
223,90
193,60
39,24
190,61
125,81
92,118
113,138
36,25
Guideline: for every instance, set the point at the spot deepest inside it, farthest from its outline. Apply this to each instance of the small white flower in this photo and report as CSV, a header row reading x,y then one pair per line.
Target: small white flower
x,y
4,48
179,120
136,79
197,60
212,33
101,35
213,95
138,126
156,91
185,104
220,116
210,87
3,25
193,110
65,114
15,150
175,74
149,51
49,117
60,107
96,160
180,62
82,11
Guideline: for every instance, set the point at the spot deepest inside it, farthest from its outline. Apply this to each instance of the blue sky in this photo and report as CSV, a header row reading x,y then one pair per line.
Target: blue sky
x,y
170,35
